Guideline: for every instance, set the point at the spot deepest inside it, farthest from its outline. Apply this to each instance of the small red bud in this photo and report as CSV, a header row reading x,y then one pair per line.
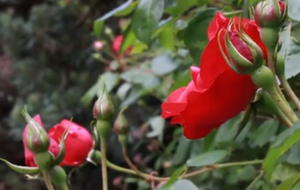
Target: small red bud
x,y
121,125
270,13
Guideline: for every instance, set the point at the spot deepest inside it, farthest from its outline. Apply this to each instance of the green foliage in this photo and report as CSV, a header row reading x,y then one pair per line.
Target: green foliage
x,y
57,74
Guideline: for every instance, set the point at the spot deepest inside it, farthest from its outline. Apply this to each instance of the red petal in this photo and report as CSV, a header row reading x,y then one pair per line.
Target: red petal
x,y
219,22
212,62
228,96
78,143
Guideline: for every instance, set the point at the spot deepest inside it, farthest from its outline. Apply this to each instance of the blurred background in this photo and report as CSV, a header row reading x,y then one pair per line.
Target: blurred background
x,y
50,61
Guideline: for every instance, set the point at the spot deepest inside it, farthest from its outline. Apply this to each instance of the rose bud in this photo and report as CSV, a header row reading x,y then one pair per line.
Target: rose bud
x,y
98,45
78,143
103,108
37,138
239,50
270,13
53,148
121,125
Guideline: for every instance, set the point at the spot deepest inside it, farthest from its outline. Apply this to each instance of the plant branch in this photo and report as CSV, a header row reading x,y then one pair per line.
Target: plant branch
x,y
250,187
104,164
187,175
290,92
47,180
286,109
130,164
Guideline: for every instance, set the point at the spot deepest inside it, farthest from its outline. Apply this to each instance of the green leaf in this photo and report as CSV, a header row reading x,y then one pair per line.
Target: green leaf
x,y
139,76
174,176
195,35
145,19
180,6
184,184
293,157
290,49
289,183
275,152
182,150
128,39
119,11
228,130
133,96
127,10
208,158
265,132
283,172
21,169
166,37
163,64
182,80
293,9
110,80
157,124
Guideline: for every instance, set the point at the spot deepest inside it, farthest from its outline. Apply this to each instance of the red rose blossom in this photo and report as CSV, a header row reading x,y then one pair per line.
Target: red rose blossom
x,y
216,93
116,46
29,156
78,143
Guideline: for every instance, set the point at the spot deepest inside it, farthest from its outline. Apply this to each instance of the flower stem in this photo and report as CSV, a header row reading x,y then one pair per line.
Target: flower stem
x,y
289,91
130,164
251,186
286,109
62,187
47,180
103,164
185,175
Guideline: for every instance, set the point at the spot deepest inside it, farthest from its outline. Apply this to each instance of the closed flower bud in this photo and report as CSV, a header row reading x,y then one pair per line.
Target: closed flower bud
x,y
241,53
103,108
121,125
36,138
270,13
98,45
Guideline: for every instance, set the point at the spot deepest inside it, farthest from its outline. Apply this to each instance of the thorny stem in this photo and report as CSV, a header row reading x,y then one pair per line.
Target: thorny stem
x,y
289,91
130,164
104,164
286,109
47,180
185,175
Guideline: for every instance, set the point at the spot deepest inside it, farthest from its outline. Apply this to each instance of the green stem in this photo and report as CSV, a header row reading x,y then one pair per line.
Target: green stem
x,y
62,187
103,164
290,92
286,109
47,180
283,119
251,186
130,164
202,170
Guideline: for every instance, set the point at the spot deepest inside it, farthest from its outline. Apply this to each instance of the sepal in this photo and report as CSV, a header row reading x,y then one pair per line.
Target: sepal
x,y
22,169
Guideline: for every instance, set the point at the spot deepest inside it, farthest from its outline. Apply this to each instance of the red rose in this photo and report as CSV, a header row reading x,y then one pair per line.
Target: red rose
x,y
78,143
216,93
29,156
116,46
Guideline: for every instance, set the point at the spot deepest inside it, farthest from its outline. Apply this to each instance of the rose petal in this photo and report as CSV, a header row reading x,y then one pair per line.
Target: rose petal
x,y
78,143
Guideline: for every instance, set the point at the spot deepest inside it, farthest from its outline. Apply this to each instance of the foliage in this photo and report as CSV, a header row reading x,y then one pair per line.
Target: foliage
x,y
56,73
